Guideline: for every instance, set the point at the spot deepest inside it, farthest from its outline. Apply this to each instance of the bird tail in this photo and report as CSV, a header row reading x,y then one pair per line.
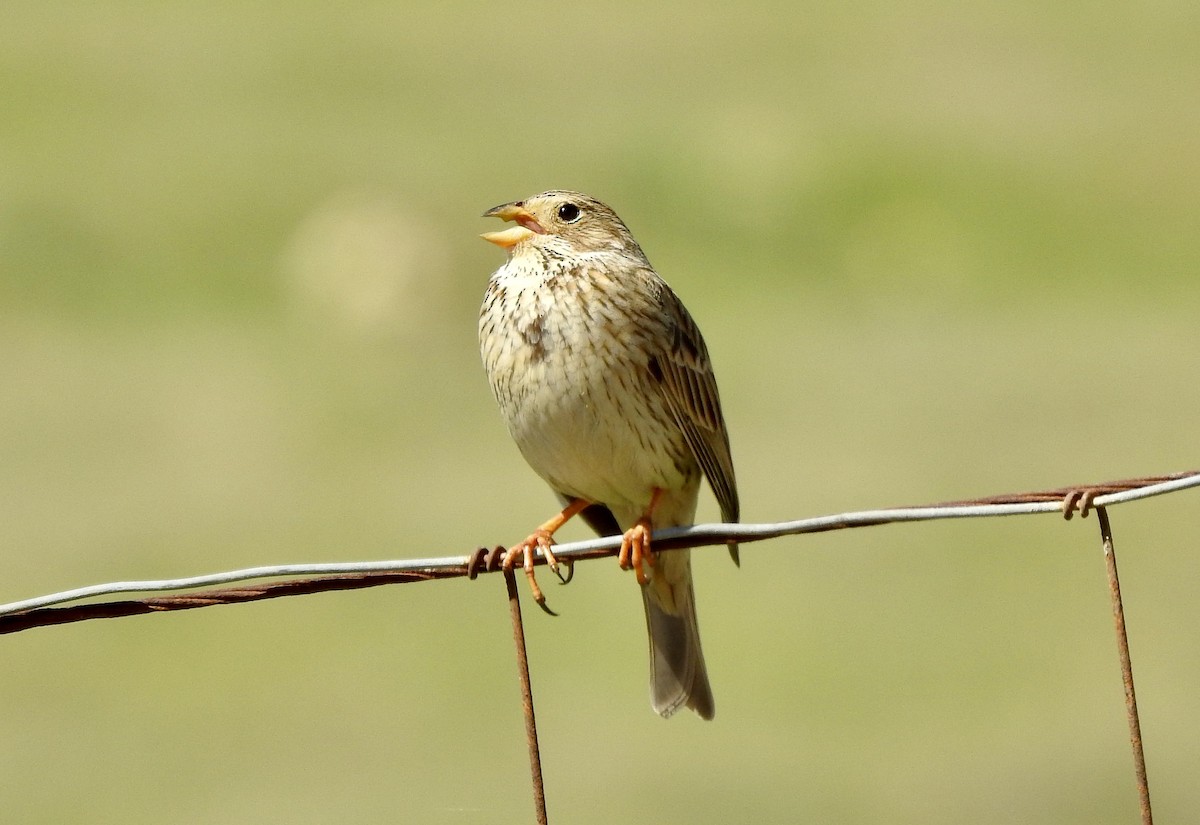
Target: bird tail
x,y
678,676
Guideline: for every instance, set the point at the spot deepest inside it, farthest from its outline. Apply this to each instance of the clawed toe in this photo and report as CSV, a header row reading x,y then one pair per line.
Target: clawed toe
x,y
526,551
541,539
635,551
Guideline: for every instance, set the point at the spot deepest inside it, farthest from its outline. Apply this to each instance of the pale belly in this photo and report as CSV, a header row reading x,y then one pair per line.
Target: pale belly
x,y
587,415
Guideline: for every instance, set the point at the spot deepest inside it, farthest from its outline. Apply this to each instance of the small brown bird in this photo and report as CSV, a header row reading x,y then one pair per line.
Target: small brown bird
x,y
606,386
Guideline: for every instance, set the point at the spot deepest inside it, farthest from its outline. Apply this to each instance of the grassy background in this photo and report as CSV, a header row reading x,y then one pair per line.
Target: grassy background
x,y
936,251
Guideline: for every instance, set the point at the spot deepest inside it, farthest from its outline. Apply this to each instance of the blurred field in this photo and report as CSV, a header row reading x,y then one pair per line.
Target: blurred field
x,y
937,252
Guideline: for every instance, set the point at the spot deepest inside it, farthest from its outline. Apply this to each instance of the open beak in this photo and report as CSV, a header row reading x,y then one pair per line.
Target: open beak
x,y
527,226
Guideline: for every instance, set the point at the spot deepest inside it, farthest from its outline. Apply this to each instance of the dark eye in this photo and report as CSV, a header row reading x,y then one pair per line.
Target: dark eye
x,y
568,213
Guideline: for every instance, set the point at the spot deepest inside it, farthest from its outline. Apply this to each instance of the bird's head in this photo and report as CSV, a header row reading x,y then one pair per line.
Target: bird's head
x,y
569,221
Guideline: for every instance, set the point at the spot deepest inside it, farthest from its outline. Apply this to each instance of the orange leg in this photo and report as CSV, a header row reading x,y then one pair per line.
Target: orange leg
x,y
635,544
541,539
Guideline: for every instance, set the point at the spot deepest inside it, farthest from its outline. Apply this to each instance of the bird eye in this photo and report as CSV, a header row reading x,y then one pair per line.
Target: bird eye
x,y
568,213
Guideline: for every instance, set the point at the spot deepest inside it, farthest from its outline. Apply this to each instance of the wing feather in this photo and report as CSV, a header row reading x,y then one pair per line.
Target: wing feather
x,y
686,377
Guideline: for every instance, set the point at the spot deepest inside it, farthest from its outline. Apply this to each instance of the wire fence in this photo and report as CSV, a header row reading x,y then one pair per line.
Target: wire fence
x,y
302,579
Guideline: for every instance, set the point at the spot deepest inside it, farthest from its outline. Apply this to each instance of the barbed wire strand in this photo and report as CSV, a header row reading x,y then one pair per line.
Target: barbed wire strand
x,y
1131,709
41,611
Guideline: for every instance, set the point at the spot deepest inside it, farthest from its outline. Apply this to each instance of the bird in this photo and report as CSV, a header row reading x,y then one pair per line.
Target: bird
x,y
605,384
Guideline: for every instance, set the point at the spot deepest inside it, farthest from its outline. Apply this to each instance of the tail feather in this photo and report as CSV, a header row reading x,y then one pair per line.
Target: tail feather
x,y
678,677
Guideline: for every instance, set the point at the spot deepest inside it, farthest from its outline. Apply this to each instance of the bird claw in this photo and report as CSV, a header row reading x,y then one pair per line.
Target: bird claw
x,y
569,566
635,551
526,551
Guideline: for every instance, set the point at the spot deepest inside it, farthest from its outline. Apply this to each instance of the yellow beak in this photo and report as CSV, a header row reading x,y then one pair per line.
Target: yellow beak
x,y
527,225
508,238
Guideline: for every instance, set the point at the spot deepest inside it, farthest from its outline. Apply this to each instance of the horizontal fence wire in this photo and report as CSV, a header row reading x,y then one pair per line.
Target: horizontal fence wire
x,y
303,579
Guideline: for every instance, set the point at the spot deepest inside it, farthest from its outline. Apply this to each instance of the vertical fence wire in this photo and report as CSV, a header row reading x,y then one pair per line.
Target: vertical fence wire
x,y
1131,710
535,759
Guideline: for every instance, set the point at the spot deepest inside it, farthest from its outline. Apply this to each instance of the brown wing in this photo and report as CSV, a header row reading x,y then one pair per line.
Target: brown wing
x,y
690,388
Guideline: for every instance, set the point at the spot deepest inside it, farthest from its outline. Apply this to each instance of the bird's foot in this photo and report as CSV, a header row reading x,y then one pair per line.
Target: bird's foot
x,y
635,550
526,551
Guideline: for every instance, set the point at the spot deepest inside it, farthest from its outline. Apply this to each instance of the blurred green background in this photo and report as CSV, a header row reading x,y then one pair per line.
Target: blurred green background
x,y
937,251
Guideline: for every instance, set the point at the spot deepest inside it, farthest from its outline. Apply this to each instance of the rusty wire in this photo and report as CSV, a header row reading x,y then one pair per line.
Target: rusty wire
x,y
42,611
1131,709
531,737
